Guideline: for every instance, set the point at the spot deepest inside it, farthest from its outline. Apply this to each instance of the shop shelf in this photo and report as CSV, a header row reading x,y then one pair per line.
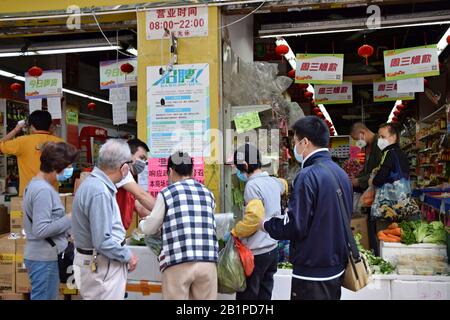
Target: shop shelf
x,y
425,150
434,134
435,115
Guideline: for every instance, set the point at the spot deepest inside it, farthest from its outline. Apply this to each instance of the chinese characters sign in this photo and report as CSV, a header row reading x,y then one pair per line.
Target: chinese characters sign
x,y
333,94
387,91
183,22
49,84
247,121
112,77
411,63
157,174
178,110
319,68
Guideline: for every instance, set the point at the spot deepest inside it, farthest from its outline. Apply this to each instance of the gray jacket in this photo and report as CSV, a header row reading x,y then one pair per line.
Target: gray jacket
x,y
269,190
96,222
43,205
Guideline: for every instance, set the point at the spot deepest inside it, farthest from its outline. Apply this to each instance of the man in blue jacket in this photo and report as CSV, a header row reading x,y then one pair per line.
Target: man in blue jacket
x,y
313,222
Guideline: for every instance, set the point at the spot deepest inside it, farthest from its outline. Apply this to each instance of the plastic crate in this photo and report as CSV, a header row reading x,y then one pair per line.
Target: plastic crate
x,y
390,251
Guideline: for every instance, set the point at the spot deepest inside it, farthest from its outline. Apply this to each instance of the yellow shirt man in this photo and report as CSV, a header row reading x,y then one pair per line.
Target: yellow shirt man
x,y
27,149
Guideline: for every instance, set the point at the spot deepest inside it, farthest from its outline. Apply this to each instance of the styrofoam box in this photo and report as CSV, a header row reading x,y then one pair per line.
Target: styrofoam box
x,y
147,267
158,296
377,289
420,290
391,250
282,284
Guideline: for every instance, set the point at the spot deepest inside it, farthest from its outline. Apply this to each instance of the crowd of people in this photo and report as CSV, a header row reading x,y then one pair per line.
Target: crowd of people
x,y
183,214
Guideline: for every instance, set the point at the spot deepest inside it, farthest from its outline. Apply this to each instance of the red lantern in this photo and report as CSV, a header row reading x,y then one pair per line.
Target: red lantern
x,y
127,68
308,95
319,114
302,86
291,74
91,106
365,51
394,119
316,110
397,113
448,39
281,50
401,107
35,71
15,86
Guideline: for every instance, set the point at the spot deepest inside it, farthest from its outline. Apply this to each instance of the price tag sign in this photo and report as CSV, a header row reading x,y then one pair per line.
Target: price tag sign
x,y
247,121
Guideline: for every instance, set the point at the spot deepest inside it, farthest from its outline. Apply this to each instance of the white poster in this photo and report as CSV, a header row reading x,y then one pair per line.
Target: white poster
x,y
183,22
119,94
119,110
35,104
54,107
178,110
410,85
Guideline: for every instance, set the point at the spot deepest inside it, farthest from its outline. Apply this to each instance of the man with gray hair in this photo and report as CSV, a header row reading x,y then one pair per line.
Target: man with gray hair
x,y
101,257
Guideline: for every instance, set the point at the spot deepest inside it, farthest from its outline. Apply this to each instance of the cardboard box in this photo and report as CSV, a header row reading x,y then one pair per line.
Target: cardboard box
x,y
7,264
14,296
4,220
16,215
359,225
69,203
23,284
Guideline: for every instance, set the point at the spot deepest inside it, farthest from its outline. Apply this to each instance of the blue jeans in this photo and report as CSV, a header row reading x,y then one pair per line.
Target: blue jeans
x,y
44,276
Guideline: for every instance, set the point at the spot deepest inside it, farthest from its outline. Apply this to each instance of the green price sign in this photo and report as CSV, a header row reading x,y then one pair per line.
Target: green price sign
x,y
247,121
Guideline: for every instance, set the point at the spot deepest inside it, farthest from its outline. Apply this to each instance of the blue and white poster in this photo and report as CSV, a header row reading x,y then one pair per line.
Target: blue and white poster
x,y
178,110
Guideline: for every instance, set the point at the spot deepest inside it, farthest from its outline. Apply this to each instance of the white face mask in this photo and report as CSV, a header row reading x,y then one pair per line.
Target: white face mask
x,y
361,143
383,143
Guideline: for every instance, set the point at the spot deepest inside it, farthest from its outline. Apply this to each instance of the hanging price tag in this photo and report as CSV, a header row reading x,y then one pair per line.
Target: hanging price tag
x,y
247,121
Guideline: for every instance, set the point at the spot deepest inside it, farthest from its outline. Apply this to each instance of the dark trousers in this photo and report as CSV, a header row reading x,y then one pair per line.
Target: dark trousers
x,y
316,290
260,282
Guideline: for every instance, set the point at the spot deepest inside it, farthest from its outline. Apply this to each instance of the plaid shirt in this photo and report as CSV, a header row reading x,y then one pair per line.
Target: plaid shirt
x,y
189,226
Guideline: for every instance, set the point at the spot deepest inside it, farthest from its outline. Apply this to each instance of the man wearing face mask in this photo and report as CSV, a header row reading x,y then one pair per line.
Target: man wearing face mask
x,y
129,190
367,140
313,223
102,257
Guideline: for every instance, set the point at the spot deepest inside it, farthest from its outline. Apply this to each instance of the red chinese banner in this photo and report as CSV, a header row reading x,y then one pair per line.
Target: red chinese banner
x,y
157,174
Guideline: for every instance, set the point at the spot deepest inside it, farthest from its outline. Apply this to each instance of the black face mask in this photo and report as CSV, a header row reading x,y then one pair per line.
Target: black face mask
x,y
138,166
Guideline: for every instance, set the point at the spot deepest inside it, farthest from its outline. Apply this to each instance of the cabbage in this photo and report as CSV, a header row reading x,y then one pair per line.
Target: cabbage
x,y
420,230
435,233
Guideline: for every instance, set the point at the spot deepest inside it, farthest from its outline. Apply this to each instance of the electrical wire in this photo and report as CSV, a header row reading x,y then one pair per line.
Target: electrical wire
x,y
245,17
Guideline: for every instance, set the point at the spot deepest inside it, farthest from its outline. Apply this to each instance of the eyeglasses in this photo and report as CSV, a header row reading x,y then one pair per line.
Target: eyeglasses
x,y
127,162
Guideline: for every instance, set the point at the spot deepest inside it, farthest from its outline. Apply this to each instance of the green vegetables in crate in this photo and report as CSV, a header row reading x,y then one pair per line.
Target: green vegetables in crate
x,y
376,264
422,232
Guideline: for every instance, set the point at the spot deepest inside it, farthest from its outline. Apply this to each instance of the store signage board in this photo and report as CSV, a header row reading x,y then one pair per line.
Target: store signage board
x,y
157,173
119,111
333,94
319,68
387,91
182,122
247,121
35,104
410,63
54,107
72,116
181,21
410,85
112,77
49,84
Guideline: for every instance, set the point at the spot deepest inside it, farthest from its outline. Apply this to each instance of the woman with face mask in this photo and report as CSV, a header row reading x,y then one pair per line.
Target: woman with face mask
x,y
393,171
46,223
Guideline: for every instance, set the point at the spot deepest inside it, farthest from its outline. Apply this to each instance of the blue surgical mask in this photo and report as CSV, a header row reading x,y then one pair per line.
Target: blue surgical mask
x,y
298,157
66,174
241,176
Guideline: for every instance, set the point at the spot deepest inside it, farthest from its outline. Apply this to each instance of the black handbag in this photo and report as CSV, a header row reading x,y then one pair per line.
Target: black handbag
x,y
65,259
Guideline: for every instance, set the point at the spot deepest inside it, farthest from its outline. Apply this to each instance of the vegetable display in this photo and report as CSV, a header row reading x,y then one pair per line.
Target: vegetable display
x,y
352,167
391,234
376,264
422,232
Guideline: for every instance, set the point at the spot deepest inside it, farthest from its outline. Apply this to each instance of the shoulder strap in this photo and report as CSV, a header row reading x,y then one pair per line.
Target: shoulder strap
x,y
49,240
351,244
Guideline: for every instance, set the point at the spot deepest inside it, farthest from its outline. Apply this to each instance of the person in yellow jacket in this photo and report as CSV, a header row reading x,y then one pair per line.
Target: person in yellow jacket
x,y
262,198
28,148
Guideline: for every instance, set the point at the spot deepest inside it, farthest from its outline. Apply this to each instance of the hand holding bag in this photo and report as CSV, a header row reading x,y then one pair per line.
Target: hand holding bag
x,y
357,271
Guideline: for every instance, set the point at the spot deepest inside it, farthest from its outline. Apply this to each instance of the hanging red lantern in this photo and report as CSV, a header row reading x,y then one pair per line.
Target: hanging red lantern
x,y
401,107
319,114
448,39
127,68
316,110
394,119
281,50
397,113
308,95
15,86
35,71
302,86
91,106
365,51
291,74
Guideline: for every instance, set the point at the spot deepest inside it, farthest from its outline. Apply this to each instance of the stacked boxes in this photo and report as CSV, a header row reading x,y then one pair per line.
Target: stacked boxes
x,y
7,265
23,284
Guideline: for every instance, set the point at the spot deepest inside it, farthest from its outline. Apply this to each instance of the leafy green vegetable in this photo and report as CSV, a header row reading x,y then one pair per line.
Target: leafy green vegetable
x,y
435,233
407,234
420,231
376,264
285,265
